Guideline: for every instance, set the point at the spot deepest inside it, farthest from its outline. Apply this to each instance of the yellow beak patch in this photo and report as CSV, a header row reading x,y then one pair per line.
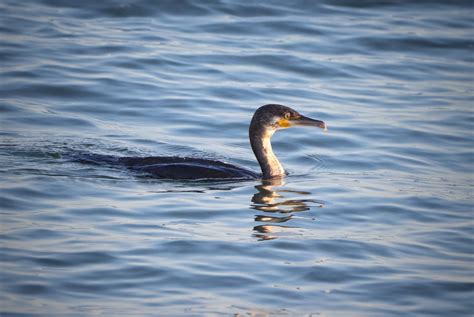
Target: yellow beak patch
x,y
284,123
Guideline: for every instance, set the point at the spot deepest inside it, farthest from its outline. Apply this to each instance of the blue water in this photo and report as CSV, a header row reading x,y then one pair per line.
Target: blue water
x,y
375,219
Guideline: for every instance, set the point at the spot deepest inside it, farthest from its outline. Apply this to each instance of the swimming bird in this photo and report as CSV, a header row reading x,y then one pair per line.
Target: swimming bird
x,y
265,122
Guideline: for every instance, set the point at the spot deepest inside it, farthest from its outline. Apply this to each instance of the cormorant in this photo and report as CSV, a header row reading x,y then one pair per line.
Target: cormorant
x,y
265,122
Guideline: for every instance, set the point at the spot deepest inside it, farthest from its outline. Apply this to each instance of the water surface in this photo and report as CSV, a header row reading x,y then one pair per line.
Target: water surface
x,y
375,218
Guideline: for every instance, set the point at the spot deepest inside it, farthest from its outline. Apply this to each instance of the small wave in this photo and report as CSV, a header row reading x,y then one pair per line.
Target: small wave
x,y
319,162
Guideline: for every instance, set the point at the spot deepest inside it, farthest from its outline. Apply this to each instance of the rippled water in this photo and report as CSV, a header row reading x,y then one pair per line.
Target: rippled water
x,y
375,218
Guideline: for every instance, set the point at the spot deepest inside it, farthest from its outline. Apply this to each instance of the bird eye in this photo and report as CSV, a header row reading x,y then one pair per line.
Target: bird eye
x,y
287,115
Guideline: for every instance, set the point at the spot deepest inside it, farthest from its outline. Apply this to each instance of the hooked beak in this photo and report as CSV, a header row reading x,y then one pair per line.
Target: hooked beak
x,y
305,121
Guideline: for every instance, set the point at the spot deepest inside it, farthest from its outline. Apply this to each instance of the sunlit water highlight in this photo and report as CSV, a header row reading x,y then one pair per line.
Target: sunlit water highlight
x,y
375,218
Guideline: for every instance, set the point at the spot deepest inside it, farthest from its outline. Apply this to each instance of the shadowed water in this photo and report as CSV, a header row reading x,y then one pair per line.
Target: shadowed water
x,y
375,218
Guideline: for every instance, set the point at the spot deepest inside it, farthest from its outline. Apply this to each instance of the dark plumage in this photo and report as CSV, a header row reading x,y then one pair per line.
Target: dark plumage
x,y
266,120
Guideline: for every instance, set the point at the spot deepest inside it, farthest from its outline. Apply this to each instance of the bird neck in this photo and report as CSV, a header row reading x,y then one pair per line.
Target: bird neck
x,y
262,148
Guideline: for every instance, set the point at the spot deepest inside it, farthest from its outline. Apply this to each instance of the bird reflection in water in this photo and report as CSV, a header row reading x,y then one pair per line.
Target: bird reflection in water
x,y
276,209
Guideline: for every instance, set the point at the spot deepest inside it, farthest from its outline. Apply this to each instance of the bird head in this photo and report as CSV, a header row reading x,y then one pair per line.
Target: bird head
x,y
275,117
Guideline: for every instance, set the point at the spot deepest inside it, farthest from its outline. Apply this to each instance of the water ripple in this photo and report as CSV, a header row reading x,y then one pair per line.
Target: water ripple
x,y
376,213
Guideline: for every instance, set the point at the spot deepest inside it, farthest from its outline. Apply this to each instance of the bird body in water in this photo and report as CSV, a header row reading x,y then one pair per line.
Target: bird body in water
x,y
265,122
